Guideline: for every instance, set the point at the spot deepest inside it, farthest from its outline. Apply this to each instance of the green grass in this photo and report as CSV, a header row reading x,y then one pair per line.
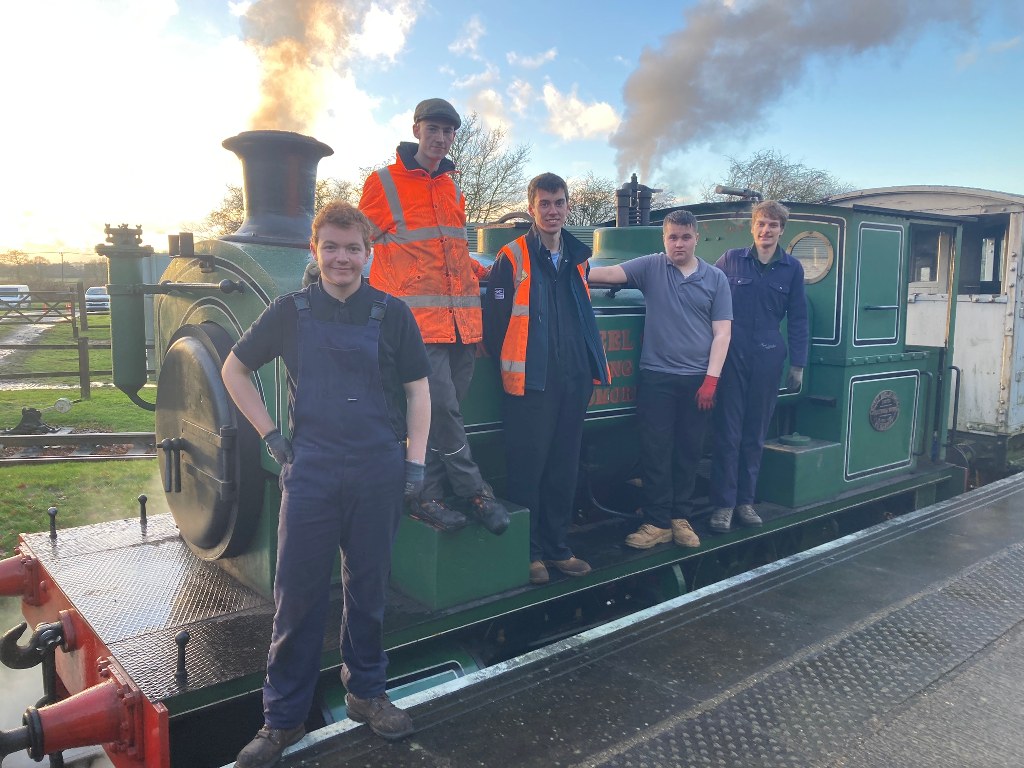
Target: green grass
x,y
83,493
44,360
107,410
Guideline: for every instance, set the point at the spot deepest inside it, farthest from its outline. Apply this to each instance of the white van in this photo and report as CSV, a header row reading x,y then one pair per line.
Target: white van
x,y
14,295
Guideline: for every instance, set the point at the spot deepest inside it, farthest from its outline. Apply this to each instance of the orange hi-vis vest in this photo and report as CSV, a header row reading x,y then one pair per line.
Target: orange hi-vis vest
x,y
513,349
420,253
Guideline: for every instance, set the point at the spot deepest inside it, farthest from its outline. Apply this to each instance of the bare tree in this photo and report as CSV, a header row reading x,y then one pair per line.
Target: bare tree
x,y
492,175
228,216
14,263
777,177
591,200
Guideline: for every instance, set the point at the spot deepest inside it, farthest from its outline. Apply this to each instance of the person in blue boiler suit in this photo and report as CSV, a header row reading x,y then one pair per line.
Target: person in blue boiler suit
x,y
767,286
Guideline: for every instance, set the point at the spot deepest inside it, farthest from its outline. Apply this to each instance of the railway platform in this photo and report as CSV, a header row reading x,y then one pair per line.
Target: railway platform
x,y
902,644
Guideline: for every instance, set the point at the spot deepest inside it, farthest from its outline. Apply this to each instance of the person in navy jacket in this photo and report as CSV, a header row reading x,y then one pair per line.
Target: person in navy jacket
x,y
767,286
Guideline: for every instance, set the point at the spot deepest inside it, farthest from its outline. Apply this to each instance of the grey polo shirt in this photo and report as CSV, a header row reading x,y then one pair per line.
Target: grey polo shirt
x,y
680,310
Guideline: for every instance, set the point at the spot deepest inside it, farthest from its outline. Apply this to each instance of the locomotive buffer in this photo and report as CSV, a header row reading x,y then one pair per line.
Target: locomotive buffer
x,y
899,645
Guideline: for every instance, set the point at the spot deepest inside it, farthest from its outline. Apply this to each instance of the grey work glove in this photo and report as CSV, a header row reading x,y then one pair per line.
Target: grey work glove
x,y
279,446
413,481
795,379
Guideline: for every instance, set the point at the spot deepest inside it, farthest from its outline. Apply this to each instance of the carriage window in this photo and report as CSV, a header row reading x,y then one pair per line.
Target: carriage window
x,y
991,247
931,251
814,252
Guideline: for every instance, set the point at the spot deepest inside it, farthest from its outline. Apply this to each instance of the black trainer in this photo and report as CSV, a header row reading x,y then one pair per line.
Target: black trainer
x,y
488,510
437,514
265,750
383,717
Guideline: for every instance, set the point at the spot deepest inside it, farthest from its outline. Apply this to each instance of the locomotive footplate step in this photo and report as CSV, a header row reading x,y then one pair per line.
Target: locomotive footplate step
x,y
899,645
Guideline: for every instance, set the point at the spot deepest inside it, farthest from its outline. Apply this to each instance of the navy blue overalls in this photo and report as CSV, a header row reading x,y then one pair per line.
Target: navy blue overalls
x,y
749,386
343,489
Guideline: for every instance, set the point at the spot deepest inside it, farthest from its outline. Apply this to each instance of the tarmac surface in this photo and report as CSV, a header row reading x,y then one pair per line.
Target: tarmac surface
x,y
901,645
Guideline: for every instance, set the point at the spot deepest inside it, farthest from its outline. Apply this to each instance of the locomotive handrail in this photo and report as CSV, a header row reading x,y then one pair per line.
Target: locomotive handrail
x,y
881,306
167,286
927,412
956,402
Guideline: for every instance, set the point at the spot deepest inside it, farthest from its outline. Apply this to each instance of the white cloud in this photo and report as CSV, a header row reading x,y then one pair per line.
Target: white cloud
x,y
468,41
385,30
123,119
240,8
478,79
531,62
489,105
571,118
520,94
1005,45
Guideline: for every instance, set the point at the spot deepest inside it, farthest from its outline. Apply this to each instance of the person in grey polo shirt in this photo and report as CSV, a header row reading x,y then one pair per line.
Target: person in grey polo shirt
x,y
686,338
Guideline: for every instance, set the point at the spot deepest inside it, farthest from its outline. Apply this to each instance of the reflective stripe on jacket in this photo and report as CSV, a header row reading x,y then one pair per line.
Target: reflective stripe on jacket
x,y
512,360
420,253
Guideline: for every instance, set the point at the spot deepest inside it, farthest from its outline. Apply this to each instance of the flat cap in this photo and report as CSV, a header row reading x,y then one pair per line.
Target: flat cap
x,y
436,109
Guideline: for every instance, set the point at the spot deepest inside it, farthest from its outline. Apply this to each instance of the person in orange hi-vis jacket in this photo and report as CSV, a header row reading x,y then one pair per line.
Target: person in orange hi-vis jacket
x,y
421,256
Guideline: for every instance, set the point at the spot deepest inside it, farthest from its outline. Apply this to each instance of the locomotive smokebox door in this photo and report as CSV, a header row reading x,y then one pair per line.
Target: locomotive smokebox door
x,y
206,449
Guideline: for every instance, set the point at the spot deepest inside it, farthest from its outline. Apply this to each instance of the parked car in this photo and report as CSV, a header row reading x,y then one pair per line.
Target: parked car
x,y
97,299
14,295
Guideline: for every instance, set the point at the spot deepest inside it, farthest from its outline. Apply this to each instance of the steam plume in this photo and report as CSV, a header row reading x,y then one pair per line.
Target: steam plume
x,y
299,42
735,58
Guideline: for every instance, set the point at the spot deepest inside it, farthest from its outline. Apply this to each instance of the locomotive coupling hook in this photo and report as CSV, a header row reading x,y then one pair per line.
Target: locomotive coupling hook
x,y
45,638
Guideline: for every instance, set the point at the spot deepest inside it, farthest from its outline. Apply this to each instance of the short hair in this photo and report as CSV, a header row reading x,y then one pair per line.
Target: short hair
x,y
770,209
549,182
343,215
681,218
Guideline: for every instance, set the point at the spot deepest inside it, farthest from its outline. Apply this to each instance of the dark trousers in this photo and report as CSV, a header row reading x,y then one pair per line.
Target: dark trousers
x,y
353,502
448,455
543,434
671,441
745,402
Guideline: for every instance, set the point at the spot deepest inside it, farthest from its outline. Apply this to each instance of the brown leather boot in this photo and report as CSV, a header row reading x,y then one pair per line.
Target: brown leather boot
x,y
266,749
383,717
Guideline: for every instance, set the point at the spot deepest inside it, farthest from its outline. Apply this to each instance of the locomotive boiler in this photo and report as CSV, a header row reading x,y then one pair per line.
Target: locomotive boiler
x,y
152,634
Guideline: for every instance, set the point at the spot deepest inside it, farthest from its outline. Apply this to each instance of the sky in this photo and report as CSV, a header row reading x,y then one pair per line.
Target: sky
x,y
115,109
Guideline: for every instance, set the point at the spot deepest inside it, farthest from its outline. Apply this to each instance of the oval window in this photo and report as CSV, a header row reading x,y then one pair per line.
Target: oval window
x,y
814,252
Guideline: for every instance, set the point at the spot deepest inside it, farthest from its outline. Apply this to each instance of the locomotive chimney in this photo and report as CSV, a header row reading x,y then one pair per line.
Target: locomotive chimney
x,y
279,172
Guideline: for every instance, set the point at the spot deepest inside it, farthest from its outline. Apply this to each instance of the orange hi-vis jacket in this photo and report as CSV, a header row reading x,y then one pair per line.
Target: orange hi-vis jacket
x,y
420,252
512,361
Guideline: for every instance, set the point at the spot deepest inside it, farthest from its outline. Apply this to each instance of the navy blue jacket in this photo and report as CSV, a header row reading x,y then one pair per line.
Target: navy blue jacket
x,y
563,331
762,297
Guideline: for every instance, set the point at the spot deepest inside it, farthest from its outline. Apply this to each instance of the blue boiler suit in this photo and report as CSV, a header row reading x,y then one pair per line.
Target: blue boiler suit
x,y
745,401
344,489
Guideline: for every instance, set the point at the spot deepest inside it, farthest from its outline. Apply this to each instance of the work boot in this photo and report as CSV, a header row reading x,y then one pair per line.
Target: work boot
x,y
683,534
437,514
539,573
488,510
383,717
721,520
265,750
648,536
570,567
745,515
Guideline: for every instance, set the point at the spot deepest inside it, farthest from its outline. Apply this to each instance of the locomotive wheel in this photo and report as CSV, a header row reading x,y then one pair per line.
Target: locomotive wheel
x,y
209,449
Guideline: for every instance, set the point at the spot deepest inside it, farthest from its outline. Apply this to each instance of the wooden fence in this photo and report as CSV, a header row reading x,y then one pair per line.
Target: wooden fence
x,y
52,307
